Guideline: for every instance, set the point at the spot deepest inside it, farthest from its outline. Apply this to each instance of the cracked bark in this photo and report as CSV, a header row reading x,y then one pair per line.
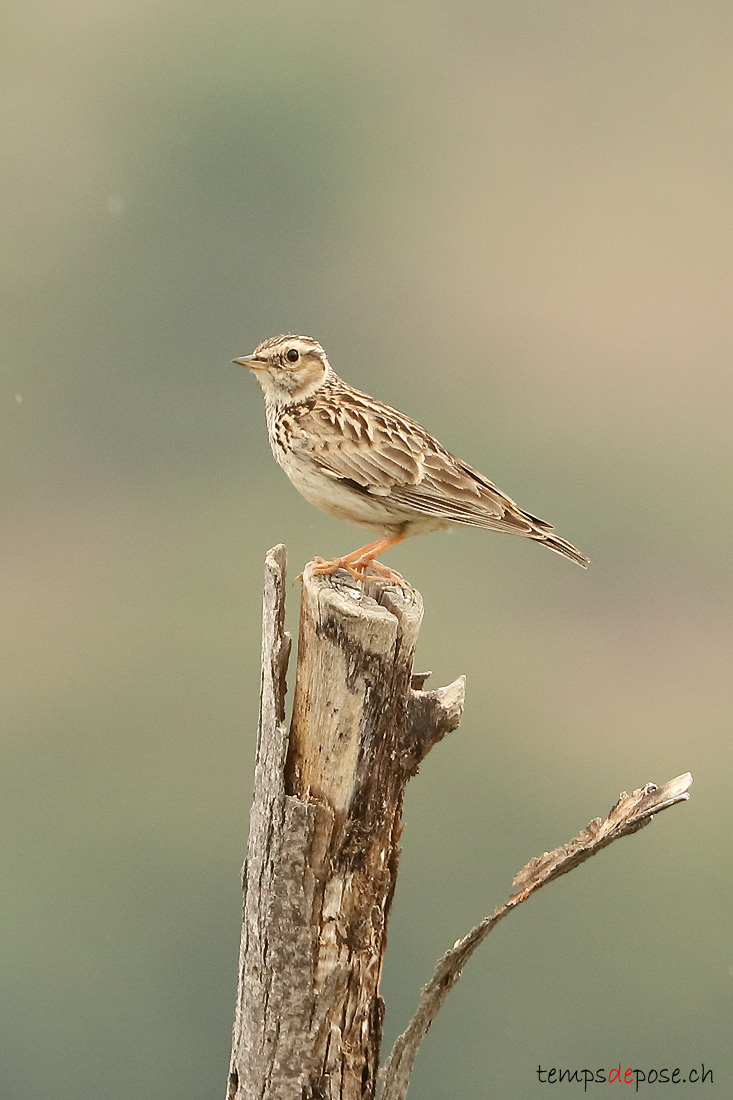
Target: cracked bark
x,y
324,834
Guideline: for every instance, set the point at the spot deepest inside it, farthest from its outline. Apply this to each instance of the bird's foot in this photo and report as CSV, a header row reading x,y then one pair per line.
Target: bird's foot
x,y
322,568
384,573
357,567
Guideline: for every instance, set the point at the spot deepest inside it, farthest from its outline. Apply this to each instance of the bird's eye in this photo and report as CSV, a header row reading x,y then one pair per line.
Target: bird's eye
x,y
293,355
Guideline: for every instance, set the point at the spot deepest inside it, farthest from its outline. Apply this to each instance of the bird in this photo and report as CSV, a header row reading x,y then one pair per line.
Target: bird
x,y
361,460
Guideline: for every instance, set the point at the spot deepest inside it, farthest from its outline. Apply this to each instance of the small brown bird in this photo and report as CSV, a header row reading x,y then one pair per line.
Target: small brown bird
x,y
365,462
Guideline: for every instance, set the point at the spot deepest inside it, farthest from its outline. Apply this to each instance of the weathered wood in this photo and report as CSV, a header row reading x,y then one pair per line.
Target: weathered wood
x,y
629,814
324,831
323,844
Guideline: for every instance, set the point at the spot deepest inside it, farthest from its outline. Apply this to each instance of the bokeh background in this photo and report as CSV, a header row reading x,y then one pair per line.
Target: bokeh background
x,y
513,221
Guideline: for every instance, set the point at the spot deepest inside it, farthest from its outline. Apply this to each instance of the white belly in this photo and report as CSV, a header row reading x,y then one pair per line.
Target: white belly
x,y
332,496
338,498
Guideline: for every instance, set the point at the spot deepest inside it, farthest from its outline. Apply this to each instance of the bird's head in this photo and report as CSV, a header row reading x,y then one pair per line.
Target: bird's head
x,y
290,369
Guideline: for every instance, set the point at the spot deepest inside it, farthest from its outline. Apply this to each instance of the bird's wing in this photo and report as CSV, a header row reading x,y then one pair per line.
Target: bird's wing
x,y
385,454
453,490
363,442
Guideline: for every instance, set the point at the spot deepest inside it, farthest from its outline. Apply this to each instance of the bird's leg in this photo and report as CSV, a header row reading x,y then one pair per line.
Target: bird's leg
x,y
357,562
350,562
370,554
386,574
321,567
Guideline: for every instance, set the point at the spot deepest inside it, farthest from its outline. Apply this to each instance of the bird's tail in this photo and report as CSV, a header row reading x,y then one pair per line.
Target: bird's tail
x,y
545,533
562,546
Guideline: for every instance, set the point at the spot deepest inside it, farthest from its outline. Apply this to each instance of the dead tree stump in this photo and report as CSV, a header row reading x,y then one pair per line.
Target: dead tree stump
x,y
323,843
324,834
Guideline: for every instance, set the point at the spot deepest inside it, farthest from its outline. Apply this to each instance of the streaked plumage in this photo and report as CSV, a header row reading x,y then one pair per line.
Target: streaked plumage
x,y
361,460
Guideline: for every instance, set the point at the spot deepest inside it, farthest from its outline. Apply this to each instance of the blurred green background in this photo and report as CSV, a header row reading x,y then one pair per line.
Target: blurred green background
x,y
510,219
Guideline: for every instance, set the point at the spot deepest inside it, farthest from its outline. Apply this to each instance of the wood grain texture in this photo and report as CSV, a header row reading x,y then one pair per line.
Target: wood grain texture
x,y
324,834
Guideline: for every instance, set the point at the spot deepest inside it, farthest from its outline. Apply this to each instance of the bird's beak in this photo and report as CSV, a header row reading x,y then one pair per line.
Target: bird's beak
x,y
251,361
